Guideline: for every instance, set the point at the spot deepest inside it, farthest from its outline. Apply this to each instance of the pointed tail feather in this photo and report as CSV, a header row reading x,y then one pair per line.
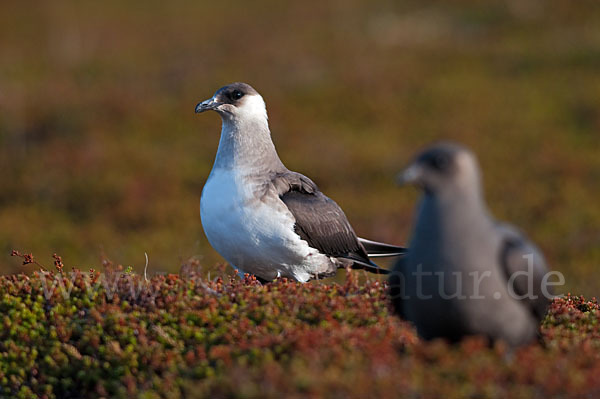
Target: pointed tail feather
x,y
380,250
370,267
357,262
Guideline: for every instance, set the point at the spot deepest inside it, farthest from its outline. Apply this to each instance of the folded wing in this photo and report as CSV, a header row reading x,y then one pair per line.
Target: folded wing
x,y
320,221
522,260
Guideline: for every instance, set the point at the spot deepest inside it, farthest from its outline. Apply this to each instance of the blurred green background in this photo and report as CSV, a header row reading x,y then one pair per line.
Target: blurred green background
x,y
102,155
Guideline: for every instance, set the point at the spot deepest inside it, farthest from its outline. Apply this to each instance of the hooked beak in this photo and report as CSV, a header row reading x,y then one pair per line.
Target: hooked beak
x,y
208,105
411,175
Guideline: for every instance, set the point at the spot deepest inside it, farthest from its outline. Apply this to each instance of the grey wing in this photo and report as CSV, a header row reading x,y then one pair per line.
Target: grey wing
x,y
522,260
319,220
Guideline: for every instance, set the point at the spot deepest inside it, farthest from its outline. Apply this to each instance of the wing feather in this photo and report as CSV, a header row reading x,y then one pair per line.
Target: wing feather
x,y
319,220
519,255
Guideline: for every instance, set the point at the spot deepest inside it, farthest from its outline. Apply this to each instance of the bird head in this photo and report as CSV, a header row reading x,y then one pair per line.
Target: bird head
x,y
235,101
442,166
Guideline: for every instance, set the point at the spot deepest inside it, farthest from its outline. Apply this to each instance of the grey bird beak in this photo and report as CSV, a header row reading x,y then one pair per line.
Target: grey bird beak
x,y
208,105
410,175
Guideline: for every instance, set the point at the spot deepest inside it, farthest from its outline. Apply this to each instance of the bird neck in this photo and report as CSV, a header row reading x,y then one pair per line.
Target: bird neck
x,y
461,205
246,145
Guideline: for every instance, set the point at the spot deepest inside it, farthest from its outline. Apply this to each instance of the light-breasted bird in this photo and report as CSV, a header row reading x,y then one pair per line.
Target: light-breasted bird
x,y
265,219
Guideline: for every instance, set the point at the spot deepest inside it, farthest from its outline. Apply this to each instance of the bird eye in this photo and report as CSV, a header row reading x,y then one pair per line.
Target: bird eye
x,y
440,161
236,95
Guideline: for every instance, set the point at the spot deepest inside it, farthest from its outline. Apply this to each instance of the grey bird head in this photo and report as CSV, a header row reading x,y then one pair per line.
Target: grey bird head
x,y
234,100
441,167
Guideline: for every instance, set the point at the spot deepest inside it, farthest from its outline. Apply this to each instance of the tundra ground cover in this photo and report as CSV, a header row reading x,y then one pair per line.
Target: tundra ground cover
x,y
114,333
101,152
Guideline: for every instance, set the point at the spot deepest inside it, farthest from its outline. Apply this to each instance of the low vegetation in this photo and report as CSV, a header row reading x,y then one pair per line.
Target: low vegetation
x,y
101,151
117,334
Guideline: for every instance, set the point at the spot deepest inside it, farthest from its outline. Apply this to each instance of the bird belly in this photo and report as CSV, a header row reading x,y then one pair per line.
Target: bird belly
x,y
255,235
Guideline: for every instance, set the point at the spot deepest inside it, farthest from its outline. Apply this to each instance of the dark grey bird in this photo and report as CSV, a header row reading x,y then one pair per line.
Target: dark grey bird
x,y
465,273
265,219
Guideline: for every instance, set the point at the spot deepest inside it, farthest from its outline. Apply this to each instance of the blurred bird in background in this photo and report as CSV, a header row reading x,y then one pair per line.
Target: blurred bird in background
x,y
465,273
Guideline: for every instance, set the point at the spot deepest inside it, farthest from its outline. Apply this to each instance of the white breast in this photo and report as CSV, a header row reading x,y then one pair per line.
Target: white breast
x,y
255,235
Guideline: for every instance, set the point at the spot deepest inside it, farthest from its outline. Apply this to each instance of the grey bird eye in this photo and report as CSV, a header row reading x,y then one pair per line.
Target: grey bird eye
x,y
236,95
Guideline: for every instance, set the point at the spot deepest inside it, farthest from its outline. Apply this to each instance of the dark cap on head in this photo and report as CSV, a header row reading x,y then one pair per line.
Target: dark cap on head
x,y
440,157
231,94
438,165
